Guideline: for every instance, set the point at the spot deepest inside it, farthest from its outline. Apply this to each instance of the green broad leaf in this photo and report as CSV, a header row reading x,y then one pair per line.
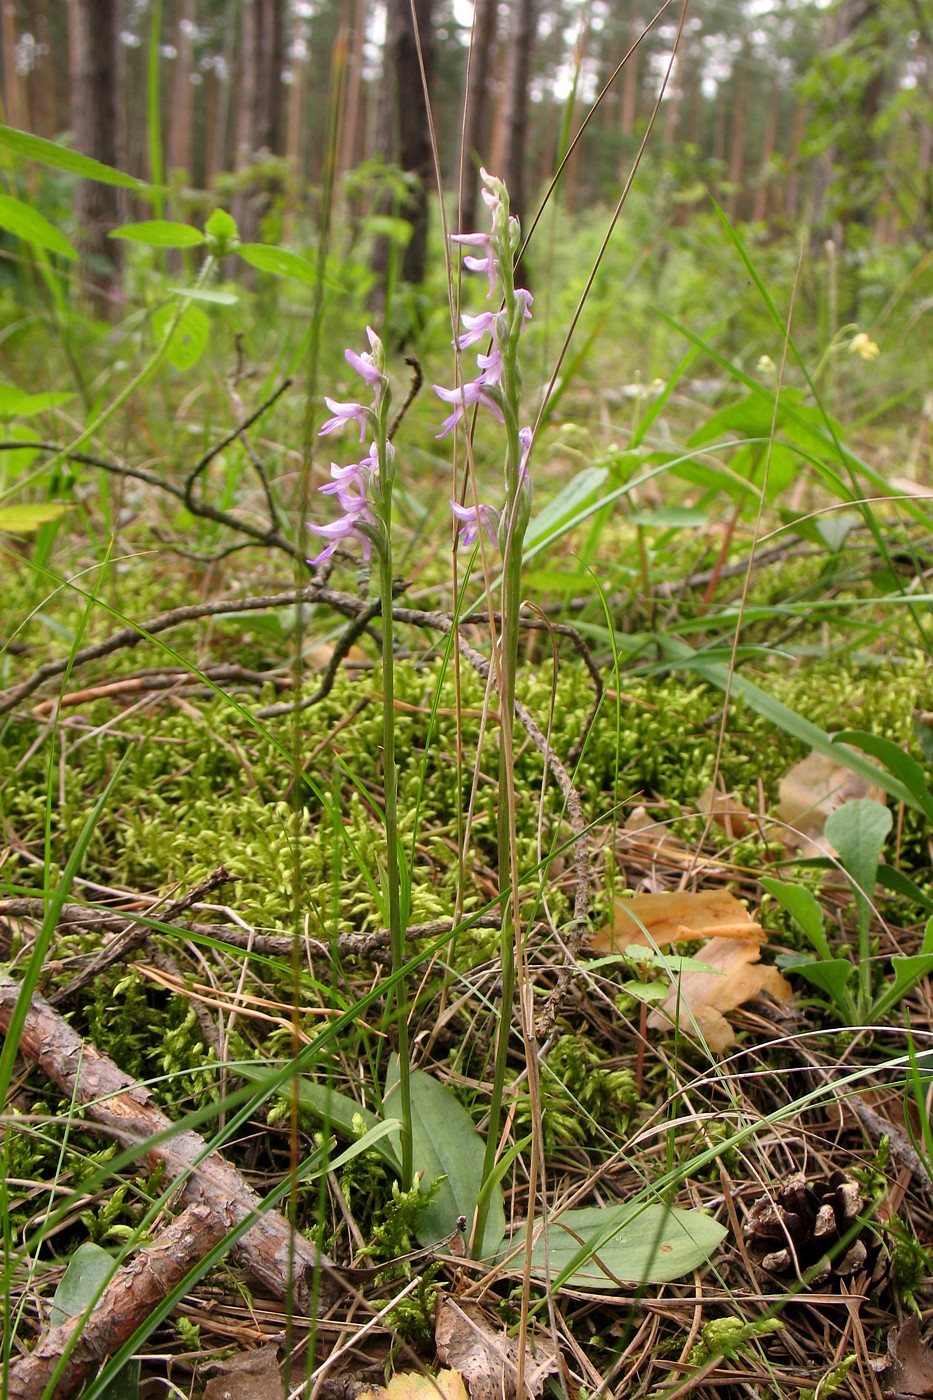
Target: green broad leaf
x,y
221,225
341,1114
907,973
206,295
554,581
669,518
858,830
646,991
88,1271
445,1144
890,878
159,233
29,147
21,219
397,231
282,262
836,527
668,962
603,1247
190,334
580,491
23,520
924,736
17,403
830,975
803,908
895,760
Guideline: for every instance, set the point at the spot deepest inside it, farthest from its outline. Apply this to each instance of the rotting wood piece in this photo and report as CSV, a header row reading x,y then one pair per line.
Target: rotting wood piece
x,y
128,1299
275,1254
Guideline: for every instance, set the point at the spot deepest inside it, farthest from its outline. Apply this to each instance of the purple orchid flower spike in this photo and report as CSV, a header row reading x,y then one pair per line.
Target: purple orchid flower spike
x,y
346,528
485,264
475,328
367,365
345,413
465,397
473,519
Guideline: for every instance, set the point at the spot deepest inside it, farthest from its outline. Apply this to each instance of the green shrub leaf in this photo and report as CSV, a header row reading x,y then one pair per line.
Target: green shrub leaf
x,y
190,336
21,219
160,233
29,147
282,262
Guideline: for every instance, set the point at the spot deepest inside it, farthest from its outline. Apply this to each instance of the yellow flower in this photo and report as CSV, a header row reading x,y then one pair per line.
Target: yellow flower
x,y
765,364
863,346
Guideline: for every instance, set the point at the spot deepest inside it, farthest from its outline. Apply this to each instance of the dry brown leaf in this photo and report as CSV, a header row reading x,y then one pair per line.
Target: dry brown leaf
x,y
726,810
485,1356
677,915
640,823
413,1385
250,1375
810,791
704,997
908,1367
733,946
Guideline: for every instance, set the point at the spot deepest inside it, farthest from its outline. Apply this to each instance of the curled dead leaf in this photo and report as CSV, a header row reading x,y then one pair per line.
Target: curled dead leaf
x,y
487,1358
699,1000
908,1367
809,792
727,810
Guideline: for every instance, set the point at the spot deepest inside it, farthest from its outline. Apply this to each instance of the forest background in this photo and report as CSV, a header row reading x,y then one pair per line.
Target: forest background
x,y
728,373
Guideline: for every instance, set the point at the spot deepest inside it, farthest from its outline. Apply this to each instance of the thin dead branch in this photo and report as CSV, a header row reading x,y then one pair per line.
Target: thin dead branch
x,y
127,1301
276,1255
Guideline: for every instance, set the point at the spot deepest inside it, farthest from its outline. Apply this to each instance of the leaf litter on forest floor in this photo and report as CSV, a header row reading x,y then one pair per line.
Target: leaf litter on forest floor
x,y
699,1000
485,1356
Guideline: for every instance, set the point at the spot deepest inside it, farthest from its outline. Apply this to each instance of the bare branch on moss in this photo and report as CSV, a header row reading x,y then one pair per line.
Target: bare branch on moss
x,y
278,1256
131,1296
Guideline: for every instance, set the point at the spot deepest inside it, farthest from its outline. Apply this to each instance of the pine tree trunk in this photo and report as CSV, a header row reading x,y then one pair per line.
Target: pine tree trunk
x,y
95,113
476,116
406,134
522,36
260,105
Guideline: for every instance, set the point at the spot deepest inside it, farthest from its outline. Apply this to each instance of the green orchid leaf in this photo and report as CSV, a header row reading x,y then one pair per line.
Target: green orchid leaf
x,y
89,1270
605,1247
858,830
445,1143
830,975
803,908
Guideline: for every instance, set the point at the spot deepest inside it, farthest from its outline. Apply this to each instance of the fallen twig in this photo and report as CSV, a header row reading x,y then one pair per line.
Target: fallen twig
x,y
132,1294
134,934
276,1255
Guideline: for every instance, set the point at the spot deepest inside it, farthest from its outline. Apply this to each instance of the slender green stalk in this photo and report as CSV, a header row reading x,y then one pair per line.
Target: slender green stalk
x,y
501,385
390,783
365,492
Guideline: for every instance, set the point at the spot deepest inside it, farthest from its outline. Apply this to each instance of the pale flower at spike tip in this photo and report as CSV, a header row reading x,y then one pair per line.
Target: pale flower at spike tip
x,y
863,346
